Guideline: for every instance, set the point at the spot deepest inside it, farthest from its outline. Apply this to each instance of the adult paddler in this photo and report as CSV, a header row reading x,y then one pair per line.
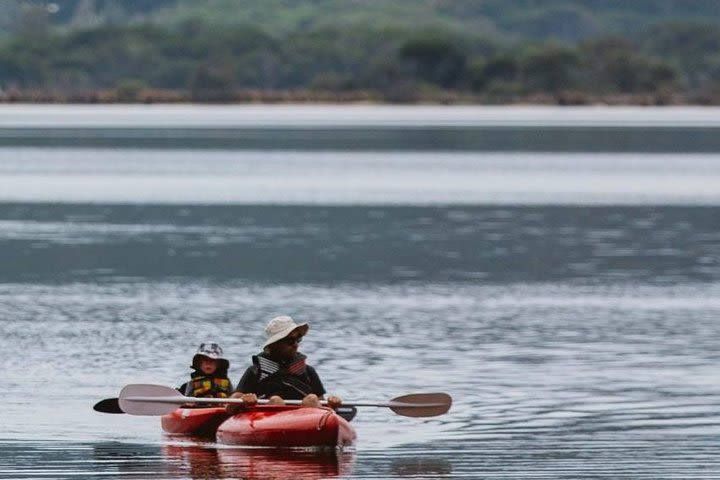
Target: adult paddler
x,y
280,371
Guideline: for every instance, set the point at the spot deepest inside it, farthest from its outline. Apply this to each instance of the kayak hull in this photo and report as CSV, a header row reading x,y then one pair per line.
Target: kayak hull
x,y
201,421
287,426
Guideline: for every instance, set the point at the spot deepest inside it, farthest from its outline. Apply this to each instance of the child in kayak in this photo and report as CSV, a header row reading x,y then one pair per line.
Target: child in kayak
x,y
210,374
280,372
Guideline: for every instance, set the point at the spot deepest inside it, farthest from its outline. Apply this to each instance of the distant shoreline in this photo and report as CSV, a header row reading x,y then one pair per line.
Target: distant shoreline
x,y
229,119
159,96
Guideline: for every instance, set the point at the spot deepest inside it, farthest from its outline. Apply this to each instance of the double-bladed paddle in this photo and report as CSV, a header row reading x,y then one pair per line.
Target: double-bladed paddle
x,y
143,399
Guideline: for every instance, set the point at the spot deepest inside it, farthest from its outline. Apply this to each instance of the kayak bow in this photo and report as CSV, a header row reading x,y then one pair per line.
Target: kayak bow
x,y
286,426
200,421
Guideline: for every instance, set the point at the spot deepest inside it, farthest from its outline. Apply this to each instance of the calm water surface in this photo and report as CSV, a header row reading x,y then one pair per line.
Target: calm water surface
x,y
569,302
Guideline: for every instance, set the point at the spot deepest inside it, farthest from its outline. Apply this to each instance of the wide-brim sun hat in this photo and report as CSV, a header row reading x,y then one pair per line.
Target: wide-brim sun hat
x,y
282,326
213,351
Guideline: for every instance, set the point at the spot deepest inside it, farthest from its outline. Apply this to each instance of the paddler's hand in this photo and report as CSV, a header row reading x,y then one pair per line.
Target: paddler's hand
x,y
334,401
248,399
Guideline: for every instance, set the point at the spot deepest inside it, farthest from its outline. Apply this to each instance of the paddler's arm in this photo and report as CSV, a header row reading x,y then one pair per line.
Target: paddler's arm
x,y
244,391
333,401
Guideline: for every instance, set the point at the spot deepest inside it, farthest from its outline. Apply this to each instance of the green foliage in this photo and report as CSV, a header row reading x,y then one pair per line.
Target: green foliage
x,y
435,60
549,68
615,65
213,82
129,90
213,61
693,47
567,20
562,22
493,72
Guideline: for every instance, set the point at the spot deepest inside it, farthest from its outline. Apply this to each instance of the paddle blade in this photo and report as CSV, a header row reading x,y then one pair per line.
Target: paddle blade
x,y
142,399
108,405
421,404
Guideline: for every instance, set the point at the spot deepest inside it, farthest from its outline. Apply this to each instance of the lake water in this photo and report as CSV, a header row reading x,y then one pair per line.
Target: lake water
x,y
561,282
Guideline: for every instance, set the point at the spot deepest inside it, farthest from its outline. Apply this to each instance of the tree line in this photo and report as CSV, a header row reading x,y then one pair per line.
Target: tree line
x,y
671,62
567,20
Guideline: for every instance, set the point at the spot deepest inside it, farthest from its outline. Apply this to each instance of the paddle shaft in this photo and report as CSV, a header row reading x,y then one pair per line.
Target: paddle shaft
x,y
142,399
262,401
397,407
112,405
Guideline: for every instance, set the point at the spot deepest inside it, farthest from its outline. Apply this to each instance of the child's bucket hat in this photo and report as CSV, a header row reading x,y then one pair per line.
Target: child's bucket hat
x,y
212,351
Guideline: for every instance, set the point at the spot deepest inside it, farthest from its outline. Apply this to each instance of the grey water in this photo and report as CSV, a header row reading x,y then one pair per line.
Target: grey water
x,y
567,299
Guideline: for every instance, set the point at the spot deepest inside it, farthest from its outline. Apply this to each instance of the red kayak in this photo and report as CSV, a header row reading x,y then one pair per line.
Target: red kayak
x,y
200,421
286,426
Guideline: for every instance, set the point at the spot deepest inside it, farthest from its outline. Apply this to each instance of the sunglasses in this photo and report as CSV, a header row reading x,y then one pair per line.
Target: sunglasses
x,y
291,340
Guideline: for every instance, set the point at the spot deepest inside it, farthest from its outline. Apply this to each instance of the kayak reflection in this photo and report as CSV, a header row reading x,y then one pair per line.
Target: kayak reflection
x,y
198,461
131,461
193,461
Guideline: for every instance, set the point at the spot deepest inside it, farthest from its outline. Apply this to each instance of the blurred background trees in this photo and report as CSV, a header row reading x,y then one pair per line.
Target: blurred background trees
x,y
399,50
